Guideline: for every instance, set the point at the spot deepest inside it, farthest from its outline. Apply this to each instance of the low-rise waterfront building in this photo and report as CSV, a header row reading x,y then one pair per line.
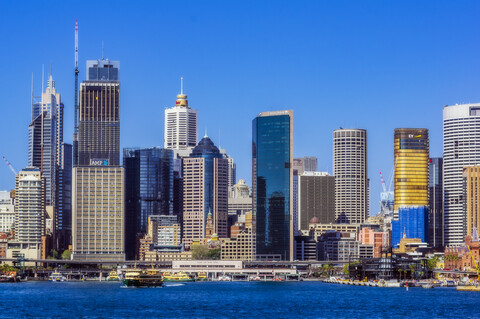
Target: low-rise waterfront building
x,y
305,248
167,255
317,229
337,246
368,236
240,247
459,257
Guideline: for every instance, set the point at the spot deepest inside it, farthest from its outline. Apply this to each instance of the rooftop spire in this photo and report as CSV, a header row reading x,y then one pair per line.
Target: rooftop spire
x,y
181,98
181,85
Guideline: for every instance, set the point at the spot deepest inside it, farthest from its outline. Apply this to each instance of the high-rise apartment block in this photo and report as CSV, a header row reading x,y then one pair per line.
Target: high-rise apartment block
x,y
98,180
435,218
181,125
148,190
316,194
205,190
29,214
350,171
461,135
272,177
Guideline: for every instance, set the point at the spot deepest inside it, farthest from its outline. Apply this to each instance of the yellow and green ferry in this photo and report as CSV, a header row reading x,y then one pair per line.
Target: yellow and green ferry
x,y
143,278
177,277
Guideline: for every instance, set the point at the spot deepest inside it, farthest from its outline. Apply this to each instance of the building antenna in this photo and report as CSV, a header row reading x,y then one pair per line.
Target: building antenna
x,y
103,51
50,68
31,97
219,140
75,118
43,76
181,85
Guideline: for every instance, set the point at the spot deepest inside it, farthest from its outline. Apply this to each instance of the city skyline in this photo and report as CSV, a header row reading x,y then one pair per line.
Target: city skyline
x,y
357,78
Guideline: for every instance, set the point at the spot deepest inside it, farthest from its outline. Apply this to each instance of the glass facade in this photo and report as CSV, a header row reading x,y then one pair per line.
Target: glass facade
x,y
411,156
148,190
435,226
64,200
103,70
272,178
413,222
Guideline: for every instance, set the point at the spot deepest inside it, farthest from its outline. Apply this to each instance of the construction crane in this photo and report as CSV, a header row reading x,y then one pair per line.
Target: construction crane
x,y
10,166
75,118
386,208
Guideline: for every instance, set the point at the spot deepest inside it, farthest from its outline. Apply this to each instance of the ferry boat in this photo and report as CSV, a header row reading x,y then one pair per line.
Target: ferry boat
x,y
113,276
8,278
143,278
57,277
254,278
202,276
178,277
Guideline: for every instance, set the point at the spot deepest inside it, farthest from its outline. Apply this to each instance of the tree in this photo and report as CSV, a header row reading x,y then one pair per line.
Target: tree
x,y
400,272
412,269
66,254
214,254
199,252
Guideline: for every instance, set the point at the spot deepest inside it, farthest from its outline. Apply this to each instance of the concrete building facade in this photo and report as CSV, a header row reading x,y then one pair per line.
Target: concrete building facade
x,y
316,194
350,171
461,135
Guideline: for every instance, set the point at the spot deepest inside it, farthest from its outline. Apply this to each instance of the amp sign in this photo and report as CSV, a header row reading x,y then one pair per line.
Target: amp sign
x,y
99,162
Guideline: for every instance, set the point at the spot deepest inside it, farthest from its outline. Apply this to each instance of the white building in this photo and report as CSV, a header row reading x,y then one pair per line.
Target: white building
x,y
181,125
350,171
461,142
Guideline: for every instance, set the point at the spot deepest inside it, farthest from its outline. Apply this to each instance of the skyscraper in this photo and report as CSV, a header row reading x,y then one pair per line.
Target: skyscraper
x,y
436,229
272,177
316,194
461,137
471,175
350,171
305,164
181,125
63,216
99,118
148,190
98,229
205,190
45,138
411,155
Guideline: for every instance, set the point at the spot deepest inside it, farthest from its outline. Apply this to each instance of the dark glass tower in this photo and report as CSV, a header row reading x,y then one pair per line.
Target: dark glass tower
x,y
435,225
148,190
272,178
99,115
63,218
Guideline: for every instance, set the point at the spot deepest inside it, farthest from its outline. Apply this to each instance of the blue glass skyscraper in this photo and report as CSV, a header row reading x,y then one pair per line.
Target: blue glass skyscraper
x,y
148,190
272,158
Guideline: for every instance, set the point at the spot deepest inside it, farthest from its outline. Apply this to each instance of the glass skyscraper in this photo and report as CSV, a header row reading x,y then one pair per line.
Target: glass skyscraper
x,y
272,178
148,190
435,228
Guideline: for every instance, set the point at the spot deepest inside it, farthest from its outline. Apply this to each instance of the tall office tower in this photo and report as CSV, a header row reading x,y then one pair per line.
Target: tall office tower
x,y
411,160
461,135
45,138
316,193
435,228
272,177
205,190
411,155
29,212
99,118
148,191
181,125
305,164
295,199
98,230
350,171
63,216
7,212
471,175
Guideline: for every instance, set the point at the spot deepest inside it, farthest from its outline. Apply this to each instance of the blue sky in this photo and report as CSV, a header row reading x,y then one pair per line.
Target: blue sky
x,y
377,65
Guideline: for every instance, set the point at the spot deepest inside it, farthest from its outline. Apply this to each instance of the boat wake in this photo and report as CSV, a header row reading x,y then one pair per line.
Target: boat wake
x,y
174,285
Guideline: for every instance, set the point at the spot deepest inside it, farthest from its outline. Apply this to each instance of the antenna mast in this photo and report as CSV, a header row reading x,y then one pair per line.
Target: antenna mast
x,y
75,119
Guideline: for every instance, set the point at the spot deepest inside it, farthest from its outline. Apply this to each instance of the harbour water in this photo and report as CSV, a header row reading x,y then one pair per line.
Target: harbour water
x,y
232,300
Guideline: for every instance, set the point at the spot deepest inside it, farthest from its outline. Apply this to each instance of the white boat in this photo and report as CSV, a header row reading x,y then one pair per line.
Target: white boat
x,y
224,278
254,278
57,277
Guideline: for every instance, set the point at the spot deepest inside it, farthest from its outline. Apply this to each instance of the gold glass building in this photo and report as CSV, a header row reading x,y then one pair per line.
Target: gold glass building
x,y
411,155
